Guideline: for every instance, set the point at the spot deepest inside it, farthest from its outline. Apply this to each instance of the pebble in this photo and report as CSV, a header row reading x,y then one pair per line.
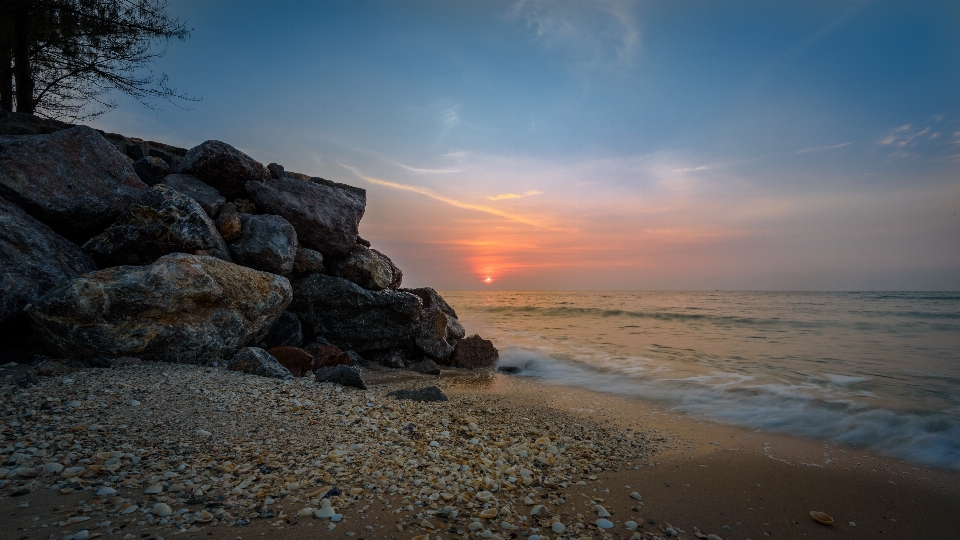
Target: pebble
x,y
161,509
488,513
106,492
604,523
558,527
631,525
636,496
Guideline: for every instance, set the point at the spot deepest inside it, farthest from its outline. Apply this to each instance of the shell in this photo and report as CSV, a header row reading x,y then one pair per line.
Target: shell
x,y
820,517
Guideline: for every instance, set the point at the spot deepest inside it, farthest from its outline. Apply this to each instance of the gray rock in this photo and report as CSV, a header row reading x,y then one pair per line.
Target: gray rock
x,y
256,361
475,352
354,318
326,217
182,308
429,393
209,199
285,332
342,375
163,221
33,260
427,367
266,242
151,170
223,167
73,180
438,329
367,268
307,261
276,171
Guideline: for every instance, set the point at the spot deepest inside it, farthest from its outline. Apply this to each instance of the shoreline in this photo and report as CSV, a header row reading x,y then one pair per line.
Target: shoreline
x,y
693,482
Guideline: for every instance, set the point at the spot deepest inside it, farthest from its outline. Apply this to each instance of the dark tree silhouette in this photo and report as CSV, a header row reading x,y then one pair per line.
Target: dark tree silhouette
x,y
62,58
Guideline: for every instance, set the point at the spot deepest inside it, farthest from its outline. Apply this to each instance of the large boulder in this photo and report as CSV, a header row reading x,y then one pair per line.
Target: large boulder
x,y
73,180
163,221
438,330
223,167
151,169
256,361
182,308
266,242
286,331
308,261
297,360
33,259
209,198
474,352
367,268
325,215
354,318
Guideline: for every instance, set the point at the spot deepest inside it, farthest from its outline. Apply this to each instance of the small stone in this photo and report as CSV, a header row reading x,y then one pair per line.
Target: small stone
x,y
429,393
631,525
558,527
203,433
488,513
709,536
604,523
636,496
484,496
161,510
106,492
326,512
475,526
153,490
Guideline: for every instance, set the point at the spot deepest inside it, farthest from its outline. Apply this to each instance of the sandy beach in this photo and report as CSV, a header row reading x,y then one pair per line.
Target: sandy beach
x,y
241,456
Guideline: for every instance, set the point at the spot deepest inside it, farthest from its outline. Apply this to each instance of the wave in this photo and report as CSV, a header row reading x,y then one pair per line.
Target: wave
x,y
929,439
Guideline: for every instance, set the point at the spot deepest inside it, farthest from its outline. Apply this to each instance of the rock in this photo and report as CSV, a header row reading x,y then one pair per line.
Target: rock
x,y
206,196
33,260
362,242
326,216
474,352
427,367
428,393
328,355
297,360
367,268
509,370
266,243
276,171
73,180
245,207
181,308
161,510
392,359
604,523
285,332
256,361
352,317
356,359
162,221
558,527
342,375
307,262
228,225
223,167
438,330
151,170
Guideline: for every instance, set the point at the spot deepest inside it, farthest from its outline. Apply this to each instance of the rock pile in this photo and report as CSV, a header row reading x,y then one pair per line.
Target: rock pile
x,y
204,256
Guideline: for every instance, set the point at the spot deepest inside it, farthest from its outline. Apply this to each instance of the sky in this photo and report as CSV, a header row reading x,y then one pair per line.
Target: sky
x,y
598,144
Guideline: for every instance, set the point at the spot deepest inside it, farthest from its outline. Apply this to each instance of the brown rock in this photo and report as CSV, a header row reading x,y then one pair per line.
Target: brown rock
x,y
222,166
474,352
327,355
229,226
297,360
427,367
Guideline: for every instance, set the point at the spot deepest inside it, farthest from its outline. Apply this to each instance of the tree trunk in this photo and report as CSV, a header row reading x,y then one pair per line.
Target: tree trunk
x,y
20,16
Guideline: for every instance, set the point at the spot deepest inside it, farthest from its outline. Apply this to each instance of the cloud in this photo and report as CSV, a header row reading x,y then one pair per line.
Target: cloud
x,y
503,196
822,148
448,170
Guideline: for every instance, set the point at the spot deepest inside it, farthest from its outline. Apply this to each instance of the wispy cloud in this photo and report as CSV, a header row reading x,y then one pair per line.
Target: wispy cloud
x,y
822,148
448,200
503,196
448,170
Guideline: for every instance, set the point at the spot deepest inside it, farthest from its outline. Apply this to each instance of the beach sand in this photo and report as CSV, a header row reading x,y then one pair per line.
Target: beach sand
x,y
696,476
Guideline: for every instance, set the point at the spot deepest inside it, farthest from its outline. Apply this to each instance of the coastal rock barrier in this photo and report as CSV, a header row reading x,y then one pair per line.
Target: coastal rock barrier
x,y
114,247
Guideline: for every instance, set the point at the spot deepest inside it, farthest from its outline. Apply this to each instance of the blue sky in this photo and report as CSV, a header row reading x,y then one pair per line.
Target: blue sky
x,y
601,144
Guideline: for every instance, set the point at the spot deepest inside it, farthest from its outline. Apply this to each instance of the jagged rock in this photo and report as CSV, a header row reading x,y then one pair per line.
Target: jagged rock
x,y
326,216
33,260
438,329
151,170
285,332
266,242
245,206
276,171
73,180
429,393
297,360
328,355
181,308
163,221
228,225
342,375
427,367
367,268
223,167
356,359
209,199
354,318
391,359
474,352
256,361
362,242
307,262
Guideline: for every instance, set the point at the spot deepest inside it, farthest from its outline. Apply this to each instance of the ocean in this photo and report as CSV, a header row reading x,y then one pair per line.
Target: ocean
x,y
878,370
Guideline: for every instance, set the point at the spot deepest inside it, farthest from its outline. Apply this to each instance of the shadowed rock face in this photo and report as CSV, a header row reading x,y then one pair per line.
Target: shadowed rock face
x,y
73,180
342,375
182,308
224,167
266,243
368,268
192,187
256,361
474,352
354,318
162,221
33,260
151,169
297,360
438,329
286,331
326,216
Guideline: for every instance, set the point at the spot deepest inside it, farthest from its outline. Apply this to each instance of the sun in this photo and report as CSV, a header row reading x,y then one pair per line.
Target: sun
x,y
488,280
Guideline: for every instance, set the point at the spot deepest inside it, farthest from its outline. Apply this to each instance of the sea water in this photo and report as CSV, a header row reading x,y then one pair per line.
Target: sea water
x,y
878,370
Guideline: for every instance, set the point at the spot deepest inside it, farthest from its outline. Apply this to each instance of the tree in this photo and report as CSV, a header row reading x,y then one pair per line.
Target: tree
x,y
63,58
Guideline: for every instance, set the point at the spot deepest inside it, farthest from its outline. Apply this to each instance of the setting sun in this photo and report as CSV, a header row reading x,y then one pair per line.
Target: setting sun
x,y
488,280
